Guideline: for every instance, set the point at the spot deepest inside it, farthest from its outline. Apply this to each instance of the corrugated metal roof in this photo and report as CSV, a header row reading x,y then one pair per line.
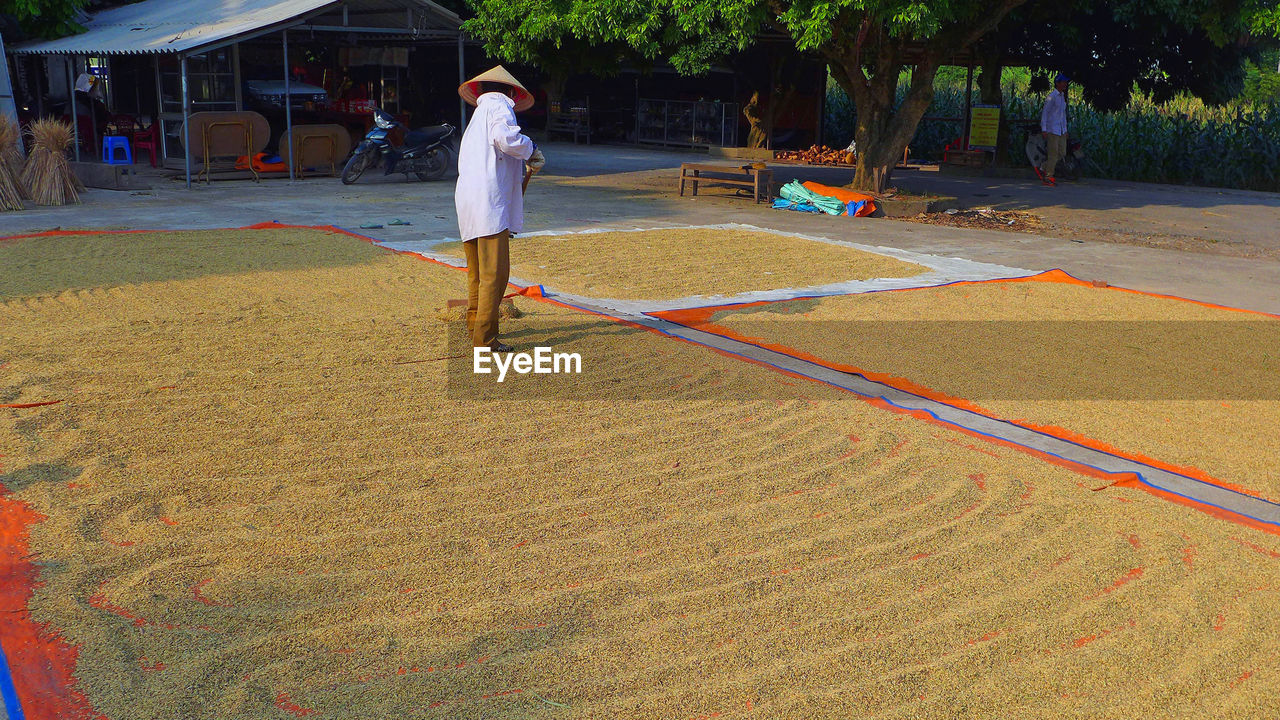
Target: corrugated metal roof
x,y
174,26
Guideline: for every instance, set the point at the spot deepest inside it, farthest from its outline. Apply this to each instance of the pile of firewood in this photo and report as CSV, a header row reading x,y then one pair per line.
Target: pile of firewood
x,y
818,155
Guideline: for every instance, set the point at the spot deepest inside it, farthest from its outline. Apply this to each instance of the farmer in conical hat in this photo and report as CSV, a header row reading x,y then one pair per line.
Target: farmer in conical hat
x,y
492,160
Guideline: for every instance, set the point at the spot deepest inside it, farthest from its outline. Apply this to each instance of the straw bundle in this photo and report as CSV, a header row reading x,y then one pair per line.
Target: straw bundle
x,y
47,174
10,152
11,191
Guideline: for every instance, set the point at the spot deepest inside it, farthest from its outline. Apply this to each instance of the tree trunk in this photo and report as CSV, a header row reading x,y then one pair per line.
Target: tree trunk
x,y
991,93
757,137
867,69
883,131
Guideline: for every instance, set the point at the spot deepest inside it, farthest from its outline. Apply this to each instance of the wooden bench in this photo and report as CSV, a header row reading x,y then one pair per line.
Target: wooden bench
x,y
758,179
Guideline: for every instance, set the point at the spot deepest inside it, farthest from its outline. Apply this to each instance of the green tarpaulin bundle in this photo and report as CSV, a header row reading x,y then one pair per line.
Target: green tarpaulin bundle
x,y
795,192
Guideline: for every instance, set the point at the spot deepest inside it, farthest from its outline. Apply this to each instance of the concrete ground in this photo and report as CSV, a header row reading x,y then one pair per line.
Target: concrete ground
x,y
1232,222
1092,224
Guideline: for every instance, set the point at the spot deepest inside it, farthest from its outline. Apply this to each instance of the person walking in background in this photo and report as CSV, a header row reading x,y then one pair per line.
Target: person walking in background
x,y
492,160
1053,128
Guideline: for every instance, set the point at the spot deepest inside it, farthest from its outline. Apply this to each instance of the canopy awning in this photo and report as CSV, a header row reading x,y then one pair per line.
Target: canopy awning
x,y
166,26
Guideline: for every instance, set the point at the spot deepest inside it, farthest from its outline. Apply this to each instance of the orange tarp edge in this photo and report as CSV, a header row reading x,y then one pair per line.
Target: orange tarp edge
x,y
844,195
41,662
700,319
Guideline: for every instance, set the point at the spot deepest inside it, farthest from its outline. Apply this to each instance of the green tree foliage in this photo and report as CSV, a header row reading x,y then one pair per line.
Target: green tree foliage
x,y
866,43
44,18
1162,48
510,33
1163,45
1262,80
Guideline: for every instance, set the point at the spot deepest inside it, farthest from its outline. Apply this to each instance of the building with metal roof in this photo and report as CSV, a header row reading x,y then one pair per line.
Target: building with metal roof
x,y
164,26
172,33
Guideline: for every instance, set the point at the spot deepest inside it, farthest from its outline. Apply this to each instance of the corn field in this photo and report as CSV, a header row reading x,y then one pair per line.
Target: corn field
x,y
1180,142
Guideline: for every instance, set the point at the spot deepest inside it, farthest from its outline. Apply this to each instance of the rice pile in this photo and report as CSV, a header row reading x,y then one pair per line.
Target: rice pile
x,y
1168,379
264,500
666,264
47,174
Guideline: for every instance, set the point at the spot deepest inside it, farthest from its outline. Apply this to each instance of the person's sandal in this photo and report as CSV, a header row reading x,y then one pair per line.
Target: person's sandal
x,y
501,348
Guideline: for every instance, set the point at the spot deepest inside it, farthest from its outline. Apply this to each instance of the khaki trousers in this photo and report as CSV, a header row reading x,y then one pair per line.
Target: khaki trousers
x,y
488,268
1056,146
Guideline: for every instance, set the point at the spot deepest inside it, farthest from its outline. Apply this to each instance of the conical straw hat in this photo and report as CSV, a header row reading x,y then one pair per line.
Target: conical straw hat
x,y
470,89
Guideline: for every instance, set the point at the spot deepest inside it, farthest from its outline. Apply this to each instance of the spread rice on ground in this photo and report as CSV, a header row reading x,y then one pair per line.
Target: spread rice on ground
x,y
264,499
1165,378
668,264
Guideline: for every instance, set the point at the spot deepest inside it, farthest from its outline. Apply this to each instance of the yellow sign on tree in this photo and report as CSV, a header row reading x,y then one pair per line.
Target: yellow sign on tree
x,y
984,127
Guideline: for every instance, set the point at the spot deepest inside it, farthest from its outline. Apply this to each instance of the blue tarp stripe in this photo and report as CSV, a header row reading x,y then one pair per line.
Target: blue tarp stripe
x,y
8,691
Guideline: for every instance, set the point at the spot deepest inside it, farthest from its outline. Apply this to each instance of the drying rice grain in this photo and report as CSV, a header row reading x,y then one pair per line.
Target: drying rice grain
x,y
1168,379
665,264
299,524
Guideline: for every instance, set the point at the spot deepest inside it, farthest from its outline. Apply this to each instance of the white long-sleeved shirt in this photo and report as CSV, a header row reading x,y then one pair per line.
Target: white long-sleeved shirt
x,y
1053,119
490,170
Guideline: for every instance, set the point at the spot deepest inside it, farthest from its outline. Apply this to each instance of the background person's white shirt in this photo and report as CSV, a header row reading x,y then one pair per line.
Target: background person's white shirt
x,y
491,169
1053,119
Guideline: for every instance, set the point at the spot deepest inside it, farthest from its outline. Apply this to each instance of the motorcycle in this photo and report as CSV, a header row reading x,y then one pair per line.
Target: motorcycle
x,y
1069,167
425,151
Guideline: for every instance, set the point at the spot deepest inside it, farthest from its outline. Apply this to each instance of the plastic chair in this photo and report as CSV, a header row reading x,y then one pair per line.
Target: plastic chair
x,y
955,146
149,140
88,133
112,143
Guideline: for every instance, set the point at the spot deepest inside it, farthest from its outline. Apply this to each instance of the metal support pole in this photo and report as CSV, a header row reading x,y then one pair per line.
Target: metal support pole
x,y
40,75
93,113
8,107
71,96
159,116
822,107
288,107
235,69
186,122
968,102
462,77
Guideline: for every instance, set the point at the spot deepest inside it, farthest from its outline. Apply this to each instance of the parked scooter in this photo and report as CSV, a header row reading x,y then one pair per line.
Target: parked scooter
x,y
1069,167
425,151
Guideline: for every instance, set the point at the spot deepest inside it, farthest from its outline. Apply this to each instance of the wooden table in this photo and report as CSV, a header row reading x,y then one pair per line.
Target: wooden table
x,y
760,180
